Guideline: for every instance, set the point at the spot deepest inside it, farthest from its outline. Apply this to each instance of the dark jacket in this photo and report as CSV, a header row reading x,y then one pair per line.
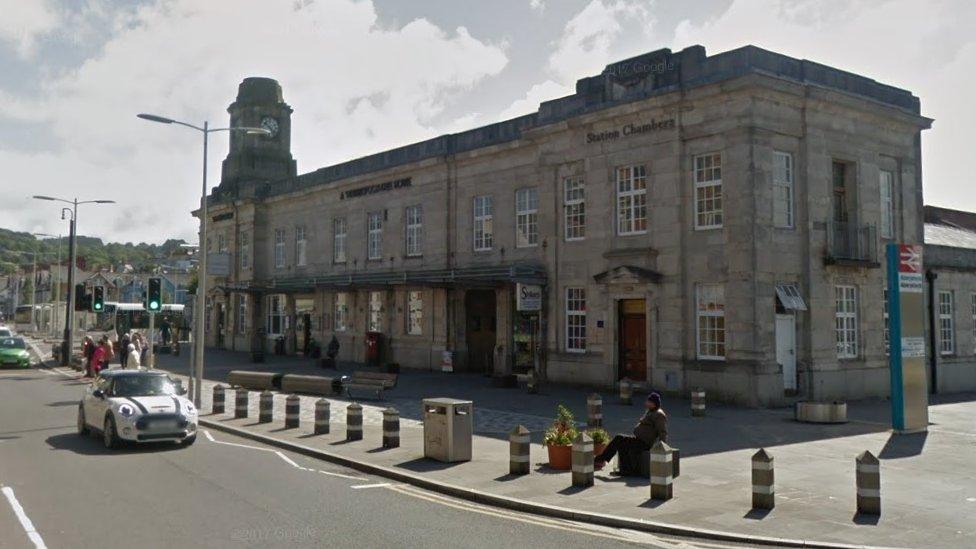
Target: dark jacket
x,y
653,426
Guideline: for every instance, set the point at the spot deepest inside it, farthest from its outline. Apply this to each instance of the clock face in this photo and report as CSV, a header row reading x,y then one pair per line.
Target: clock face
x,y
271,125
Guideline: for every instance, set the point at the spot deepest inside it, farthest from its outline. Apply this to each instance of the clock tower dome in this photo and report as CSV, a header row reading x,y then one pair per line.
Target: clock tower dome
x,y
259,103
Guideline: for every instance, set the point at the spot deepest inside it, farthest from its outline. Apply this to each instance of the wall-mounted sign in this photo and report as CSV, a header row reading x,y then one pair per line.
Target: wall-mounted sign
x,y
377,188
631,129
218,264
528,297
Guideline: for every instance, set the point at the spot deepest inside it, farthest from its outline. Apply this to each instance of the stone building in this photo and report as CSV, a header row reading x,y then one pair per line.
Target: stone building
x,y
682,220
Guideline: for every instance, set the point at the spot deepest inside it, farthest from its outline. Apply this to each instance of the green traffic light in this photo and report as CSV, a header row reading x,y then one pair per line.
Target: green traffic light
x,y
98,306
153,304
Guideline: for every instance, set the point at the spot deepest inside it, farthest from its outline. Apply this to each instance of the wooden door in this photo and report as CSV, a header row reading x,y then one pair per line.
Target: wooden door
x,y
632,339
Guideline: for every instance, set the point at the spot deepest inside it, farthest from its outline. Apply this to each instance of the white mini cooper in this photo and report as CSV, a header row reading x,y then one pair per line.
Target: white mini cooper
x,y
137,406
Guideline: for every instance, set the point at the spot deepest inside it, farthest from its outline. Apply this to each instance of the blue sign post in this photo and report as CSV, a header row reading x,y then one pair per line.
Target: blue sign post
x,y
906,328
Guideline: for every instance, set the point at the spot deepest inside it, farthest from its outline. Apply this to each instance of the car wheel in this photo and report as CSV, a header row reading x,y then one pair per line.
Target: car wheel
x,y
109,436
188,441
82,426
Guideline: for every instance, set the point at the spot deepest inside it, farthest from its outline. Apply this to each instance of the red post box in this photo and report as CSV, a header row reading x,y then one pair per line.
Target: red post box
x,y
373,342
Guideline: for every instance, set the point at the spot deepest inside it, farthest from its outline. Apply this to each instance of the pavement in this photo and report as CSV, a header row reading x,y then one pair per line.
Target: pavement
x,y
928,482
64,490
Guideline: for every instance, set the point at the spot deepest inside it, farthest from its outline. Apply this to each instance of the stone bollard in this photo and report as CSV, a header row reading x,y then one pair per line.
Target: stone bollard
x,y
532,382
322,416
266,407
698,403
293,406
583,461
240,402
594,410
217,407
354,422
626,392
763,494
518,450
662,470
391,428
868,480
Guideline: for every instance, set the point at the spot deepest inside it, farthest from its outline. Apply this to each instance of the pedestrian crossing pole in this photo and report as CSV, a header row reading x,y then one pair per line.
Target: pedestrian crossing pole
x,y
150,356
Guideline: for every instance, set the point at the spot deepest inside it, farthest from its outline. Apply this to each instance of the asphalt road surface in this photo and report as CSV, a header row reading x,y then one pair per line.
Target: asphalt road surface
x,y
63,490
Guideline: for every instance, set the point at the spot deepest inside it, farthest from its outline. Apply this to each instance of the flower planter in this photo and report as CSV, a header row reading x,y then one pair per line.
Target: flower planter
x,y
598,449
560,457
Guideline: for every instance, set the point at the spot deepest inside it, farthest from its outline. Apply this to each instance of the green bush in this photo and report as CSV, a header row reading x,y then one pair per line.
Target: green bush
x,y
600,436
563,429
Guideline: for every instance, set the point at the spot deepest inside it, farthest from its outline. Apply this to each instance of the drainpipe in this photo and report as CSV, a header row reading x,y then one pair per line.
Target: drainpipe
x,y
934,357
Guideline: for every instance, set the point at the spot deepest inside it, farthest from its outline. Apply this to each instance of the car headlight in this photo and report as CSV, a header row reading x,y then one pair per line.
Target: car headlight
x,y
126,410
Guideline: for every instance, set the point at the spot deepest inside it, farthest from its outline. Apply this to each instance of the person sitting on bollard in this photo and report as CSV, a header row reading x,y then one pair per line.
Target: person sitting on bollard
x,y
653,426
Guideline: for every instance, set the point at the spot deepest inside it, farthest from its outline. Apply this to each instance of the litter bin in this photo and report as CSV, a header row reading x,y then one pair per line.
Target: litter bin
x,y
448,427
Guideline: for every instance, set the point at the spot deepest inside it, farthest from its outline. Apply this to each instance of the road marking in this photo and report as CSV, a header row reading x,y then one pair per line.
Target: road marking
x,y
378,485
340,475
285,458
289,461
25,522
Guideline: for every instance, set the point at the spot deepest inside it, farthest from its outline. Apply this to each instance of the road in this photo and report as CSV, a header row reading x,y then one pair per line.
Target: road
x,y
226,492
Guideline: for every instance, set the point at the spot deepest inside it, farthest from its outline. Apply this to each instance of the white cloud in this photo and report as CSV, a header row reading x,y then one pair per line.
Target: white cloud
x,y
23,22
593,36
356,88
537,94
538,5
927,48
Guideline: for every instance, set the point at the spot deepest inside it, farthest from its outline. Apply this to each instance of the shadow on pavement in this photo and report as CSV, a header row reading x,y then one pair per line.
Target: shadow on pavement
x,y
902,446
757,514
422,465
866,520
63,403
91,446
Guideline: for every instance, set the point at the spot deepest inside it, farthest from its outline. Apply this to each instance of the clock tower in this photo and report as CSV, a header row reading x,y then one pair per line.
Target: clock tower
x,y
259,103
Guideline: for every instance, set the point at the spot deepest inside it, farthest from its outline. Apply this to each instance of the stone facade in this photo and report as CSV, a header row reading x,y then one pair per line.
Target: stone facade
x,y
683,293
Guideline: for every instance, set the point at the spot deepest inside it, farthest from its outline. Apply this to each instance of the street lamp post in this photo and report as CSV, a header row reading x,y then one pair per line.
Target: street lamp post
x,y
68,344
199,312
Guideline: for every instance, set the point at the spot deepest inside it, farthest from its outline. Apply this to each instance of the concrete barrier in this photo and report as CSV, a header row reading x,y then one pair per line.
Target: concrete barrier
x,y
310,385
293,405
626,392
698,403
354,422
322,416
391,428
583,461
661,472
241,395
266,407
518,449
255,380
868,483
217,405
594,410
763,493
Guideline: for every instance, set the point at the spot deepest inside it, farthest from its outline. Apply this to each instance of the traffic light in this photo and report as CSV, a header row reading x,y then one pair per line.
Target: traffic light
x,y
98,299
154,301
82,298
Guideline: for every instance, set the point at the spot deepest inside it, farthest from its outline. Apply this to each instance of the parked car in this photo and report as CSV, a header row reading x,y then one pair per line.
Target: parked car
x,y
13,353
137,406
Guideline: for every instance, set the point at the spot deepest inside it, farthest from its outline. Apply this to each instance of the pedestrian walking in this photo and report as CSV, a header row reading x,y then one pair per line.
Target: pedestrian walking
x,y
124,343
652,427
133,360
88,349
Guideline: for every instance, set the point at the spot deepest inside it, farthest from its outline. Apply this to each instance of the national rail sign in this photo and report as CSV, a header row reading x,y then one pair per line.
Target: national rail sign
x,y
906,323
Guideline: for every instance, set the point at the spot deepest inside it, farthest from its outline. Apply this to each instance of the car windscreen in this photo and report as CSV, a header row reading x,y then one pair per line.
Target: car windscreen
x,y
128,386
5,332
12,343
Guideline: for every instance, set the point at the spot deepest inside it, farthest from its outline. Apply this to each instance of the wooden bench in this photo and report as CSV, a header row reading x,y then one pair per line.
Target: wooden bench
x,y
373,382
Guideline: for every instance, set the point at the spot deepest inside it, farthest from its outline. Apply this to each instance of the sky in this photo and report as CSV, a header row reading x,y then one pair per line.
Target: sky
x,y
367,75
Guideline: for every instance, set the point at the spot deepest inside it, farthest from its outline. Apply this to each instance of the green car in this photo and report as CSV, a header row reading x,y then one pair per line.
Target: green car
x,y
13,353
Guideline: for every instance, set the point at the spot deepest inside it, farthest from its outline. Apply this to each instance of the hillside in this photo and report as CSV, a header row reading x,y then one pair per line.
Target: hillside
x,y
92,252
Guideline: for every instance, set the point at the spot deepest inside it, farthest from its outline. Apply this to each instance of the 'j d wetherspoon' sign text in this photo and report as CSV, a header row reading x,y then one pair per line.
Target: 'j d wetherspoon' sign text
x,y
377,188
630,129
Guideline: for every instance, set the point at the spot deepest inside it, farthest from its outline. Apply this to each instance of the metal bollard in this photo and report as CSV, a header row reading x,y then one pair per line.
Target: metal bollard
x,y
583,461
763,494
626,392
322,413
293,405
217,406
868,480
661,471
391,428
240,402
698,403
354,422
594,410
518,450
266,407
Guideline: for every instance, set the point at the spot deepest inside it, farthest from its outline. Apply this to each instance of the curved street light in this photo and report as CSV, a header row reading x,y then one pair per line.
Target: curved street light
x,y
196,364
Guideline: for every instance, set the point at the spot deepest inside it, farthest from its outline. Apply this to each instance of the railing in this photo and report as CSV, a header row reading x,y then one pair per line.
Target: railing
x,y
851,242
